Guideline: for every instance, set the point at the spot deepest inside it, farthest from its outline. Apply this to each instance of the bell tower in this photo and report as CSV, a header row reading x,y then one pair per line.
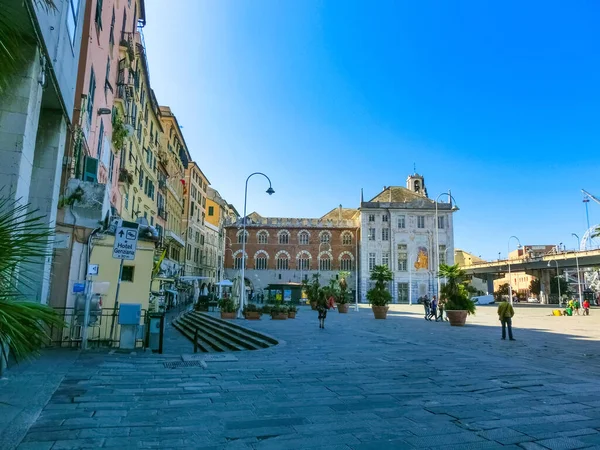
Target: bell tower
x,y
416,184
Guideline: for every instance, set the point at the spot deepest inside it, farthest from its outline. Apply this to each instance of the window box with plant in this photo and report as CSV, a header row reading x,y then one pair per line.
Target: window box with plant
x,y
119,132
379,296
251,312
279,313
228,308
292,310
458,304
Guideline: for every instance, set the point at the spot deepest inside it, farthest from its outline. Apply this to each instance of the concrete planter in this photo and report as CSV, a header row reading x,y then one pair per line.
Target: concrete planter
x,y
291,315
343,309
279,316
227,315
457,318
252,315
380,312
313,306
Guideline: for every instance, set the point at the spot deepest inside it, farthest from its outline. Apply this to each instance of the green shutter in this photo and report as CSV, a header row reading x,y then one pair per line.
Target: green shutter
x,y
90,172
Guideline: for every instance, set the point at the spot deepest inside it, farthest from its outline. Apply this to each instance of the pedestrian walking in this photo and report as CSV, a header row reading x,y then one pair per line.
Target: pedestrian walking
x,y
426,305
433,310
505,315
586,307
322,307
441,307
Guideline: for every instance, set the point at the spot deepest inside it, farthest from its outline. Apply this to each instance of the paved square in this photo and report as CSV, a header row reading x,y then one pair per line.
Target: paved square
x,y
357,384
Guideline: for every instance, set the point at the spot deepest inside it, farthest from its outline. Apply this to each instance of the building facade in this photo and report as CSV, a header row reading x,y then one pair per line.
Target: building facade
x,y
400,230
289,250
194,218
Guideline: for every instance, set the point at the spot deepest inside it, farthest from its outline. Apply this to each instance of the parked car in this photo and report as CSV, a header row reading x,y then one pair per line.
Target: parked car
x,y
533,300
483,299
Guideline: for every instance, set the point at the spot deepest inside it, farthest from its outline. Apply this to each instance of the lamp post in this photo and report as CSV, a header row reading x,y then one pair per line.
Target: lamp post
x,y
410,279
578,276
508,259
269,191
437,235
356,271
557,282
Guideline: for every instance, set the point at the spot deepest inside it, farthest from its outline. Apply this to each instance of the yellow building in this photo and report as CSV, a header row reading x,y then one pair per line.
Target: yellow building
x,y
194,217
219,213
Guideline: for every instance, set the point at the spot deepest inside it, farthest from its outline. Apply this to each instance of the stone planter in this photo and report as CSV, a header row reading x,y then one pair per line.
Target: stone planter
x,y
380,312
457,318
313,306
343,309
291,315
279,316
252,315
227,315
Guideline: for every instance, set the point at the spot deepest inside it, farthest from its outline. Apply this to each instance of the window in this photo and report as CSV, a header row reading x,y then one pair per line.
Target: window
x,y
111,37
442,254
346,239
260,262
284,238
371,234
385,218
402,257
126,200
420,221
325,238
385,259
371,261
111,166
401,221
303,238
197,237
188,253
127,274
282,263
441,222
346,263
196,254
73,11
303,262
325,263
385,234
262,237
371,217
242,237
91,94
211,210
100,139
98,17
237,262
402,292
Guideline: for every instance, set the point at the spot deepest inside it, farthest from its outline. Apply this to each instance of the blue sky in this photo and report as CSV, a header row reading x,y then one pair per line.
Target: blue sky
x,y
497,101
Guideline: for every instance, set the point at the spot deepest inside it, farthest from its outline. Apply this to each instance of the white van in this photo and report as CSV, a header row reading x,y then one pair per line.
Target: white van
x,y
483,299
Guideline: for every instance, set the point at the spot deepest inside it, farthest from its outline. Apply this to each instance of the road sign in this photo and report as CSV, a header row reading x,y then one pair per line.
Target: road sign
x,y
125,241
93,269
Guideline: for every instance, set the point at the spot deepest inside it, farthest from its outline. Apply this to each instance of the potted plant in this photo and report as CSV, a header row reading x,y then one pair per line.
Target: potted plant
x,y
279,313
228,308
312,290
251,312
342,297
292,310
379,296
458,303
266,309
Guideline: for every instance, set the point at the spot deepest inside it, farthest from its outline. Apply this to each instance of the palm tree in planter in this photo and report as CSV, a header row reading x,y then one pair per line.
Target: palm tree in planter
x,y
342,292
24,241
379,296
312,290
458,303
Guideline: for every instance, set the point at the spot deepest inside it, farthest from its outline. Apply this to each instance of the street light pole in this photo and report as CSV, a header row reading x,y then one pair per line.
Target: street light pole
x,y
410,279
578,276
508,259
437,236
557,281
356,271
269,191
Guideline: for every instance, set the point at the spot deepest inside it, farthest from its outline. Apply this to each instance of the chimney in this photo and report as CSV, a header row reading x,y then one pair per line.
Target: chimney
x,y
340,212
384,188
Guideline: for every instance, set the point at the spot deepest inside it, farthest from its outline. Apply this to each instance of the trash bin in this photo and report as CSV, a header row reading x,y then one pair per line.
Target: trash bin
x,y
156,331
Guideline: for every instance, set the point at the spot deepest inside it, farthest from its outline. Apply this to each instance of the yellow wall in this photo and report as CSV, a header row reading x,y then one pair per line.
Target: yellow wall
x,y
463,258
215,219
130,292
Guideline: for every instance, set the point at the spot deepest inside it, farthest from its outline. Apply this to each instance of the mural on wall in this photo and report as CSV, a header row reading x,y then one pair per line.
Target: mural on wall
x,y
422,261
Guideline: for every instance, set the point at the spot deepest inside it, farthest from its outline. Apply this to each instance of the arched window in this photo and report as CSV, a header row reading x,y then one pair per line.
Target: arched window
x,y
282,259
346,261
261,260
237,260
303,238
241,236
263,237
284,237
347,238
303,260
325,261
325,237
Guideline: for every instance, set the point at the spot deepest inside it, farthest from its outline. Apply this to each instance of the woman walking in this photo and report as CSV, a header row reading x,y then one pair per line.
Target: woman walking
x,y
322,307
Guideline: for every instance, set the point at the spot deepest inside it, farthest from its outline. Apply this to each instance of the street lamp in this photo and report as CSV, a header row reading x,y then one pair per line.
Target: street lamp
x,y
410,279
269,191
508,259
437,235
578,276
557,281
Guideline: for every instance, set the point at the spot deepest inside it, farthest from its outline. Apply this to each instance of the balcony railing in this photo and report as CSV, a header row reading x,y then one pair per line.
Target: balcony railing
x,y
170,234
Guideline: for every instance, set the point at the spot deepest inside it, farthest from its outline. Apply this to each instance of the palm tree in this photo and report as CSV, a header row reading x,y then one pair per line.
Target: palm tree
x,y
23,244
455,290
379,295
13,43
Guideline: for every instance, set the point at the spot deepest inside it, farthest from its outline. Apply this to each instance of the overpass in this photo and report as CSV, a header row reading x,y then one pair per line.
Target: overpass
x,y
538,267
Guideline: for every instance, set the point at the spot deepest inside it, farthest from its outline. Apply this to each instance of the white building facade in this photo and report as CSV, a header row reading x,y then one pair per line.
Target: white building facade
x,y
399,229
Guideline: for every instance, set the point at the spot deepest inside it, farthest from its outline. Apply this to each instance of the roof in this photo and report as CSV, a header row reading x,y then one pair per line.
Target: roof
x,y
341,213
398,194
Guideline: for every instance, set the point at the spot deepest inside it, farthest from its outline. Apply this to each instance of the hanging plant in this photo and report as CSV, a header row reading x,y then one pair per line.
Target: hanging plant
x,y
119,133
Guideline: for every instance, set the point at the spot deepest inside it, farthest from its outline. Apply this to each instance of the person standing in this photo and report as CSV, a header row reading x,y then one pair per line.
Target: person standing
x,y
586,307
322,307
505,315
433,312
441,305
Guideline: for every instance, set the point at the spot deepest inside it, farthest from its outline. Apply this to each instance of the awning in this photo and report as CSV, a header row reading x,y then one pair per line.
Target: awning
x,y
193,278
224,283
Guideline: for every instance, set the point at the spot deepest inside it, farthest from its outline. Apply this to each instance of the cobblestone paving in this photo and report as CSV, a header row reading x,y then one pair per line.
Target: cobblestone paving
x,y
358,384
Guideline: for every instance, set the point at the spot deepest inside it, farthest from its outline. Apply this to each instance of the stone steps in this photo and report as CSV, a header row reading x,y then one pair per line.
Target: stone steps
x,y
216,335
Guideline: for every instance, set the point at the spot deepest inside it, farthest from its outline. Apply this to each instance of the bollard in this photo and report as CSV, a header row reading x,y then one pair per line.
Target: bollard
x,y
196,341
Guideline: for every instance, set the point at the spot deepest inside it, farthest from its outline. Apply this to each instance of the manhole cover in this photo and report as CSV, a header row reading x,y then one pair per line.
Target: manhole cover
x,y
180,364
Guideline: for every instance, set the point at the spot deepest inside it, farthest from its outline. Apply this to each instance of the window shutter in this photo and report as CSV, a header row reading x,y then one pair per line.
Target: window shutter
x,y
91,169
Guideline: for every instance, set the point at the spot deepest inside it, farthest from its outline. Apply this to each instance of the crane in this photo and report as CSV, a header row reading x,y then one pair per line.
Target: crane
x,y
586,199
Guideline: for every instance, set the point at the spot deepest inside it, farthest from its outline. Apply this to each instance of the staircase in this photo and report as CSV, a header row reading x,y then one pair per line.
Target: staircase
x,y
216,335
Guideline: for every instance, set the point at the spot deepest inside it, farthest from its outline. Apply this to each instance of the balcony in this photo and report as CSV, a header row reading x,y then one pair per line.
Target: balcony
x,y
162,213
172,236
162,185
125,177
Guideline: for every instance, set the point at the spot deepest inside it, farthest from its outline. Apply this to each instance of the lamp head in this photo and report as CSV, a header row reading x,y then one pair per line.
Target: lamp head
x,y
270,191
104,111
549,264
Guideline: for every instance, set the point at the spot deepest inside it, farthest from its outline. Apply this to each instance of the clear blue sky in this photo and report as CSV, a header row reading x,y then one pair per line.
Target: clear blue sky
x,y
498,101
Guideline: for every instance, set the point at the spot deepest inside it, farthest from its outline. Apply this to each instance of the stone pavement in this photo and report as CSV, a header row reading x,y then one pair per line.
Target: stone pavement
x,y
358,384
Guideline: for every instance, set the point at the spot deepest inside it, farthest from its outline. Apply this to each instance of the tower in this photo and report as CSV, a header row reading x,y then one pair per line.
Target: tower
x,y
416,184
